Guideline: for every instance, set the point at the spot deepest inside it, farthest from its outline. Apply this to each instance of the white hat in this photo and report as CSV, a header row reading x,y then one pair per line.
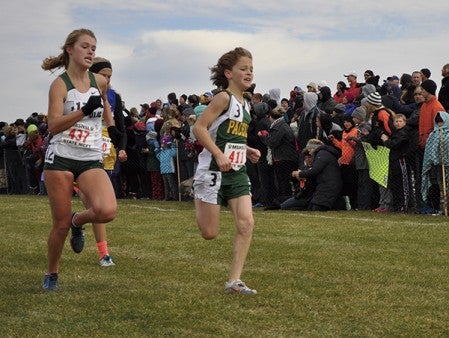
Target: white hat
x,y
322,83
352,73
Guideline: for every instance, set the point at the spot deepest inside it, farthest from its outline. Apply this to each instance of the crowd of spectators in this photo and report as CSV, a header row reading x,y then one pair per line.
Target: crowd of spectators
x,y
362,145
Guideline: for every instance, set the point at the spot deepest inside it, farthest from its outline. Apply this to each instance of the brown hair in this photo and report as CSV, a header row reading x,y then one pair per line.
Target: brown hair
x,y
62,60
226,62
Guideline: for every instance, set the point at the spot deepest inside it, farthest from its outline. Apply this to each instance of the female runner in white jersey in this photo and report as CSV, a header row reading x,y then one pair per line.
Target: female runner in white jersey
x,y
221,177
77,105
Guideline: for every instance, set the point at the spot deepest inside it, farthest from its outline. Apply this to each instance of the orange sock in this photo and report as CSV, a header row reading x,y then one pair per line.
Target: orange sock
x,y
102,249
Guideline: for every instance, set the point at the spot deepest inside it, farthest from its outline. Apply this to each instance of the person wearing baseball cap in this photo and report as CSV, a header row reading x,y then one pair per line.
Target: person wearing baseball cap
x,y
354,89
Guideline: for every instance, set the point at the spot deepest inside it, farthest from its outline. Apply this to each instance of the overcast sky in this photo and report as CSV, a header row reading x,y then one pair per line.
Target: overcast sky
x,y
161,46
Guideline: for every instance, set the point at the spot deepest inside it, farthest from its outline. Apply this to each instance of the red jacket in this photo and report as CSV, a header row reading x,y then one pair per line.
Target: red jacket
x,y
354,90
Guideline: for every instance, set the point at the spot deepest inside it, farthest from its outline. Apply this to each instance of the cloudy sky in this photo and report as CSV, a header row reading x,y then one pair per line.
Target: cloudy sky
x,y
161,46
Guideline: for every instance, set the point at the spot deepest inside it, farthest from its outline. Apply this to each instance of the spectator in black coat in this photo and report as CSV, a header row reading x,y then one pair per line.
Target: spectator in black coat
x,y
265,173
326,102
281,140
305,188
325,171
443,94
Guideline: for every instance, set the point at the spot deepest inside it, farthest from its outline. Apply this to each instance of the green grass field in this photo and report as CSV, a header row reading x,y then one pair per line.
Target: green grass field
x,y
333,274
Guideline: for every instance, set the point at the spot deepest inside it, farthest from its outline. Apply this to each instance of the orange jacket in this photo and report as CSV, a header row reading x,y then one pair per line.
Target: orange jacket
x,y
426,119
384,117
347,145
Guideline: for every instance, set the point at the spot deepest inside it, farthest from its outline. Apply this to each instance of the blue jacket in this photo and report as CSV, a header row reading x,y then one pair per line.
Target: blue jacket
x,y
165,155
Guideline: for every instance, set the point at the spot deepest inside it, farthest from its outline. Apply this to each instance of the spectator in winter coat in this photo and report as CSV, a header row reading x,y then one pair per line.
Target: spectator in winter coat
x,y
325,128
365,198
326,102
282,143
306,121
436,156
347,145
429,109
443,94
305,189
265,174
341,88
398,176
166,155
325,171
354,88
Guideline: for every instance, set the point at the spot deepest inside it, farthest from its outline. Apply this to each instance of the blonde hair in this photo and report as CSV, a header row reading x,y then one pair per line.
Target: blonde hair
x,y
62,60
277,113
399,116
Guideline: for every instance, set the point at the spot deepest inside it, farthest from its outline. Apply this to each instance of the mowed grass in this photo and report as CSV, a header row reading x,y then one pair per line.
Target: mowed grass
x,y
331,274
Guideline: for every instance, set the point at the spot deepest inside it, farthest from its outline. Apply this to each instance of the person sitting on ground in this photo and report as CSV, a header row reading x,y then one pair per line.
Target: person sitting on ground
x,y
326,172
305,188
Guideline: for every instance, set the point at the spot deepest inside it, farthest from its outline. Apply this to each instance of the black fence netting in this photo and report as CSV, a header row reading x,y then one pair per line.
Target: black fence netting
x,y
371,180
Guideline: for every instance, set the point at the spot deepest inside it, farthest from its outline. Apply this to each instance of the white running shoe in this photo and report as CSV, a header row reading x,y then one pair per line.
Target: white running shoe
x,y
106,261
237,286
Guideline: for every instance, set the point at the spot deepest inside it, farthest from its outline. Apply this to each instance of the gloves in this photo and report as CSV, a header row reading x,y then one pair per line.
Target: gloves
x,y
115,135
93,103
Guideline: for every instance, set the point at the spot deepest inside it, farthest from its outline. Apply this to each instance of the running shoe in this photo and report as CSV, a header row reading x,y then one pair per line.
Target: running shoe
x,y
77,239
237,286
427,211
50,282
106,261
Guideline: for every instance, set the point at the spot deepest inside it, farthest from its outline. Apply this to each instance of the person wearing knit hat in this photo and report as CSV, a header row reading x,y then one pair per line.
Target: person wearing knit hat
x,y
429,86
427,113
312,87
339,108
381,118
382,123
375,99
337,114
368,89
430,107
360,114
116,133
